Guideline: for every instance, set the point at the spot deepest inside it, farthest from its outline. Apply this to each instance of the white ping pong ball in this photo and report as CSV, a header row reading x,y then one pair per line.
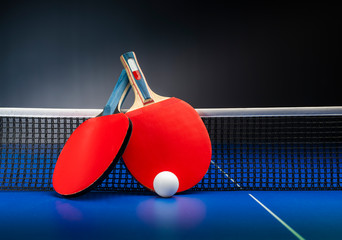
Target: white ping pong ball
x,y
165,184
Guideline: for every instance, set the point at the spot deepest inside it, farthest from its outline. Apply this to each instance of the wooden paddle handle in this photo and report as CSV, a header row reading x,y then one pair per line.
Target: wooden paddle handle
x,y
136,77
143,94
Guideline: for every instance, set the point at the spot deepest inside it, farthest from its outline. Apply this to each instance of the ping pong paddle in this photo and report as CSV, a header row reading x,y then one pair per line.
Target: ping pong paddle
x,y
168,134
94,148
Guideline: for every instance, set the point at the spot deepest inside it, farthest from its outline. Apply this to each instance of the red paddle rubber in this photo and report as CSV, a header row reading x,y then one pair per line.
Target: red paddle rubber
x,y
168,136
91,153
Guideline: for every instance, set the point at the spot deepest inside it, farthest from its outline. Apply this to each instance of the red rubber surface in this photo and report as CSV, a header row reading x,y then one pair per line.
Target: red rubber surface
x,y
89,152
168,136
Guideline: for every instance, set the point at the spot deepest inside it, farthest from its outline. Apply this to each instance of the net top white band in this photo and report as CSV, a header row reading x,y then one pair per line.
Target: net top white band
x,y
204,112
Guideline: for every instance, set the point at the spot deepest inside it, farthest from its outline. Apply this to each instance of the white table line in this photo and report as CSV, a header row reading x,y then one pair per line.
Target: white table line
x,y
261,204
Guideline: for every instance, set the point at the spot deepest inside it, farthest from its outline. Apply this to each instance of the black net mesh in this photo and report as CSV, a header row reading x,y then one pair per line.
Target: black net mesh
x,y
249,153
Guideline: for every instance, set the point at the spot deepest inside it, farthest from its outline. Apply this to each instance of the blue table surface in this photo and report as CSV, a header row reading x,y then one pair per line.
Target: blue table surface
x,y
194,215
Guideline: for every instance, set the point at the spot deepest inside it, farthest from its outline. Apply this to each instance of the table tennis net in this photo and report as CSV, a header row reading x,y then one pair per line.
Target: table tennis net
x,y
248,153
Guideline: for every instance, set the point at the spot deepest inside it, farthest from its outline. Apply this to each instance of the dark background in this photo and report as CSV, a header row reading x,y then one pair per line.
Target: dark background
x,y
65,54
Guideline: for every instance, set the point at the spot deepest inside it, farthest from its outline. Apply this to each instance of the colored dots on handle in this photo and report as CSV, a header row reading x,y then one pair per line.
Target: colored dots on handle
x,y
134,68
137,75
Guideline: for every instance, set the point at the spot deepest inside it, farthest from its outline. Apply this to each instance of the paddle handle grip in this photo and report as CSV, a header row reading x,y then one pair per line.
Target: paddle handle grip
x,y
136,78
118,95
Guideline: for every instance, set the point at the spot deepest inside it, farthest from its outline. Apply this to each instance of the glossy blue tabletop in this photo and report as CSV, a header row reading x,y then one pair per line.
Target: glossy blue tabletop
x,y
194,215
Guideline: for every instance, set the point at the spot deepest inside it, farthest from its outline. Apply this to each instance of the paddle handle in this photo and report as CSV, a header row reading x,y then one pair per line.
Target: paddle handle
x,y
118,95
143,94
136,77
